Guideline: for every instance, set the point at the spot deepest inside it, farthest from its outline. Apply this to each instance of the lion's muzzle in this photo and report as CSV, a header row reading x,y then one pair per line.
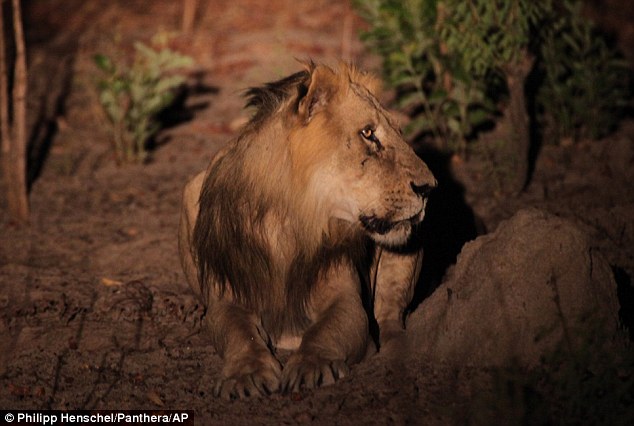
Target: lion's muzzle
x,y
394,227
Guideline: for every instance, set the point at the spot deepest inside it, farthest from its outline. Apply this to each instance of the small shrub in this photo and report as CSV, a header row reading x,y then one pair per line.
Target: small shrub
x,y
585,89
456,64
132,95
447,59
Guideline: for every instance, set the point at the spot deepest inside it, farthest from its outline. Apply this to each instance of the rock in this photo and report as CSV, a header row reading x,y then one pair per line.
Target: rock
x,y
516,294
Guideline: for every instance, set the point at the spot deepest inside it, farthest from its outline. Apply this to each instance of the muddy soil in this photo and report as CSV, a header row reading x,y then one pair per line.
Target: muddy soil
x,y
95,310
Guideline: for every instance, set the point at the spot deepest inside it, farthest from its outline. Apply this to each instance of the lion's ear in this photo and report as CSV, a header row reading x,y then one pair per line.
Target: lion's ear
x,y
321,89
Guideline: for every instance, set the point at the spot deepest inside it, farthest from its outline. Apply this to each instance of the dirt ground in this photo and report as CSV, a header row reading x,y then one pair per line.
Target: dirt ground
x,y
95,312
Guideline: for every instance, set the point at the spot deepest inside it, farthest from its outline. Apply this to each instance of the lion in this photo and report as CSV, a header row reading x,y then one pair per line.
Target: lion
x,y
296,224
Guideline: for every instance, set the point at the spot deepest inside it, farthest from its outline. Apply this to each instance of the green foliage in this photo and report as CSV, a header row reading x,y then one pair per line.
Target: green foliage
x,y
585,89
132,95
487,36
446,58
450,62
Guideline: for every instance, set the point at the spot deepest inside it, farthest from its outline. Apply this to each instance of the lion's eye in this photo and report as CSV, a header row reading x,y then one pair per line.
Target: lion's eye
x,y
367,133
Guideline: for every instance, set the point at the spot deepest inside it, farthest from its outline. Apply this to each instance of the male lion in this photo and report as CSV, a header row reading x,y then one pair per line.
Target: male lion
x,y
280,231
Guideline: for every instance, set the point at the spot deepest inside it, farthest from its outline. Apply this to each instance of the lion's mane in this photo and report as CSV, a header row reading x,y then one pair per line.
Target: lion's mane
x,y
254,183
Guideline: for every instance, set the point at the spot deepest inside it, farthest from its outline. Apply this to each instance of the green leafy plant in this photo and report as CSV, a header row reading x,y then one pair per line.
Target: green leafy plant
x,y
132,95
446,58
585,88
492,39
459,64
443,101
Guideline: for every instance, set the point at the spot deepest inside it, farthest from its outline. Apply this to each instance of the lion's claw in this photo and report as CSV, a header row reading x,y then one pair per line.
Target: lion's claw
x,y
250,378
309,372
246,386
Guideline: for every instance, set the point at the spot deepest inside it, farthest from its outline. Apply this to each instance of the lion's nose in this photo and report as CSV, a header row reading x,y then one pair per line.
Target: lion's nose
x,y
423,190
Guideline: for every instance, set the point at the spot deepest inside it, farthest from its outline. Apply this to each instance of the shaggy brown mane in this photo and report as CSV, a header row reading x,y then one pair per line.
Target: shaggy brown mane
x,y
247,187
234,254
268,98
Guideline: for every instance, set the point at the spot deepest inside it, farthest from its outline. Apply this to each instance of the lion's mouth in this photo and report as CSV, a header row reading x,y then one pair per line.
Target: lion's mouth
x,y
380,226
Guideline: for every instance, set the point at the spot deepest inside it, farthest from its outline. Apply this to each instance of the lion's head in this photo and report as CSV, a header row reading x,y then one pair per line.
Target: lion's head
x,y
352,157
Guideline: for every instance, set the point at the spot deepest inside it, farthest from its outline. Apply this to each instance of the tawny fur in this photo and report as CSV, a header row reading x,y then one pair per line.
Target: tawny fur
x,y
279,232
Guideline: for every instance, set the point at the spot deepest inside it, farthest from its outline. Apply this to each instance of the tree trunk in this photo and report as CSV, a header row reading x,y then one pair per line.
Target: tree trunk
x,y
5,132
518,144
14,131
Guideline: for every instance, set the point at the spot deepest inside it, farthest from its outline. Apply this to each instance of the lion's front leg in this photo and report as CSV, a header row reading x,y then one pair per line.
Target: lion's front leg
x,y
394,280
337,338
250,368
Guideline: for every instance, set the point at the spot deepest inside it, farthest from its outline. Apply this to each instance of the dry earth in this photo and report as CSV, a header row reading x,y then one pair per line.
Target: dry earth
x,y
95,310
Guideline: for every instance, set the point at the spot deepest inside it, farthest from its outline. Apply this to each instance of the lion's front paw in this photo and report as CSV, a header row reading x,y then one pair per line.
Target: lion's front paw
x,y
253,375
311,371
